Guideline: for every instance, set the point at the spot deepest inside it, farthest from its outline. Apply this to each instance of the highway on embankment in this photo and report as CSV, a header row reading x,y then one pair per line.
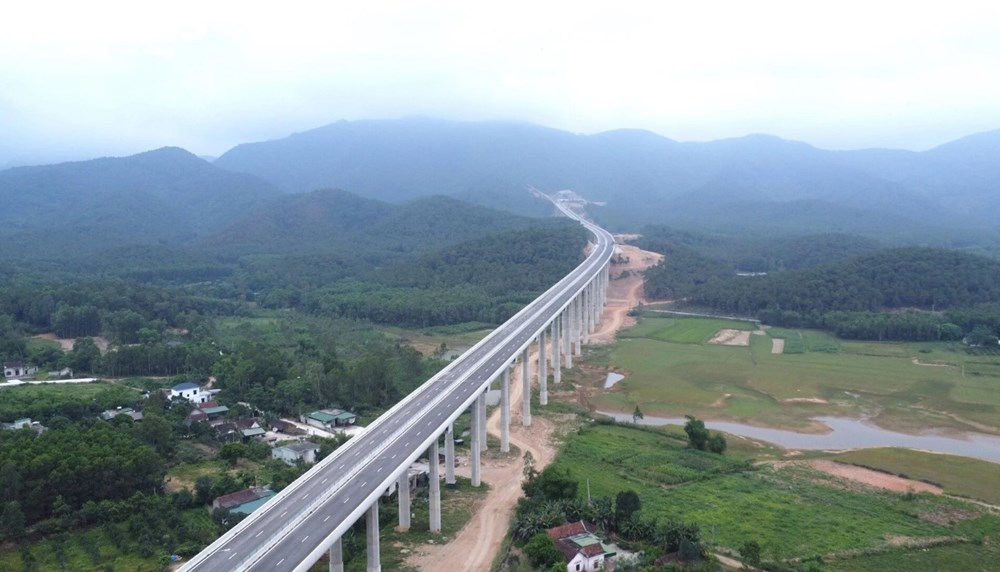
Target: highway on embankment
x,y
298,525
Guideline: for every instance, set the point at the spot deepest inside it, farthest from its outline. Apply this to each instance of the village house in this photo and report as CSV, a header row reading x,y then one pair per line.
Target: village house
x,y
418,477
243,502
18,370
209,411
227,432
25,423
282,426
126,411
582,549
250,429
191,392
293,452
329,419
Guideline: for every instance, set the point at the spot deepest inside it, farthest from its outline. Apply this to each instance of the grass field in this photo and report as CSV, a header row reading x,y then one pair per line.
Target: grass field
x,y
43,401
960,476
792,510
683,330
965,556
904,386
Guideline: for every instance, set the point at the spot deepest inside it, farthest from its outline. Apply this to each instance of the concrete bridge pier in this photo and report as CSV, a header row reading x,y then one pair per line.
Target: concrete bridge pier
x,y
474,450
403,497
449,455
483,435
337,556
505,410
371,531
543,371
525,390
594,314
556,350
434,495
585,315
577,347
567,334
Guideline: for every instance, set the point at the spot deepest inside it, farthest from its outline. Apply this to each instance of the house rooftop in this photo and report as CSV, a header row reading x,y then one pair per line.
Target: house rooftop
x,y
184,386
248,507
322,416
301,446
214,410
241,497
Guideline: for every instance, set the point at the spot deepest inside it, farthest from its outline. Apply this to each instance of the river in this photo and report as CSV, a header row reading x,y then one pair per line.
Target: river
x,y
846,433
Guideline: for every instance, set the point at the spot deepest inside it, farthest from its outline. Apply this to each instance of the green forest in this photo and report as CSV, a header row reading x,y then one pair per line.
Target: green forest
x,y
907,293
286,314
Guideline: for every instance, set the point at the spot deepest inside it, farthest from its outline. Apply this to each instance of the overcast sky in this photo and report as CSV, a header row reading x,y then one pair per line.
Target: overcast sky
x,y
84,79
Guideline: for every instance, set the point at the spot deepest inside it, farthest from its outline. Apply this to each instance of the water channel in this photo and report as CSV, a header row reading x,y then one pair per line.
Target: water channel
x,y
845,433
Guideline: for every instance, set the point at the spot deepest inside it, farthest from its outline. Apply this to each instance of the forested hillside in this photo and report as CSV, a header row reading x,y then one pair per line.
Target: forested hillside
x,y
166,196
731,186
900,293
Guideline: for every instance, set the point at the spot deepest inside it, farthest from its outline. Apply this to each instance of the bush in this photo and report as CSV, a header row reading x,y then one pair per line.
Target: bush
x,y
542,551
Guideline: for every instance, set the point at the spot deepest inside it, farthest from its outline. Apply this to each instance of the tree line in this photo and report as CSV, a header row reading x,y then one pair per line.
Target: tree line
x,y
918,294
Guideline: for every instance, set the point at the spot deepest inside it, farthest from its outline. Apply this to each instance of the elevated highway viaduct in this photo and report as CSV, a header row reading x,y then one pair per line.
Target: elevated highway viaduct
x,y
307,519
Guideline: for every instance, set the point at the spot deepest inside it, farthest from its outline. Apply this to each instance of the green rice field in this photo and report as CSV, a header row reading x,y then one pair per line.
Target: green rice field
x,y
790,509
671,371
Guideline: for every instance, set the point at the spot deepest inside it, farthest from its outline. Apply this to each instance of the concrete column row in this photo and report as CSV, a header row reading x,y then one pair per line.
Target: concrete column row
x,y
567,333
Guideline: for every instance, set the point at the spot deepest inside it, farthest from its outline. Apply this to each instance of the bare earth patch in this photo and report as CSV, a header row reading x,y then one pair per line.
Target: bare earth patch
x,y
817,400
67,343
916,361
873,478
727,337
721,402
777,346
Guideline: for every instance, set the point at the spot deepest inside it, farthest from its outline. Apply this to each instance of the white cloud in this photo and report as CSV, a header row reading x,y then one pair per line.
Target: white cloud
x,y
126,76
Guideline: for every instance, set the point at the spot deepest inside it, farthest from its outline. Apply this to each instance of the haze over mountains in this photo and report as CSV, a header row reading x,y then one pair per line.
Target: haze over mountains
x,y
644,177
250,198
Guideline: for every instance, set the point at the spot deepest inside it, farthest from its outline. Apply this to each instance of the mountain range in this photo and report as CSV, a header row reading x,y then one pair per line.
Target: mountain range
x,y
260,197
645,178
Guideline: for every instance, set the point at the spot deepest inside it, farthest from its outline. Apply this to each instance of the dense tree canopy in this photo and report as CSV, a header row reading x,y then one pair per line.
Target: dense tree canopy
x,y
89,461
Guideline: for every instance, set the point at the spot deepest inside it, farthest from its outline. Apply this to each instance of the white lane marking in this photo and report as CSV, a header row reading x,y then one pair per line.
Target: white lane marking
x,y
327,518
259,533
280,561
231,556
284,513
305,495
324,480
347,500
304,539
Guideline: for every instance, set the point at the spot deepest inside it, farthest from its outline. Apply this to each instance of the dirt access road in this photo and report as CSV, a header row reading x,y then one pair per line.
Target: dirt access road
x,y
475,546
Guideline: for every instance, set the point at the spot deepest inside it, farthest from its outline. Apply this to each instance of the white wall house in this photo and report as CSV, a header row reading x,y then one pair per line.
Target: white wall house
x,y
18,370
191,392
291,453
